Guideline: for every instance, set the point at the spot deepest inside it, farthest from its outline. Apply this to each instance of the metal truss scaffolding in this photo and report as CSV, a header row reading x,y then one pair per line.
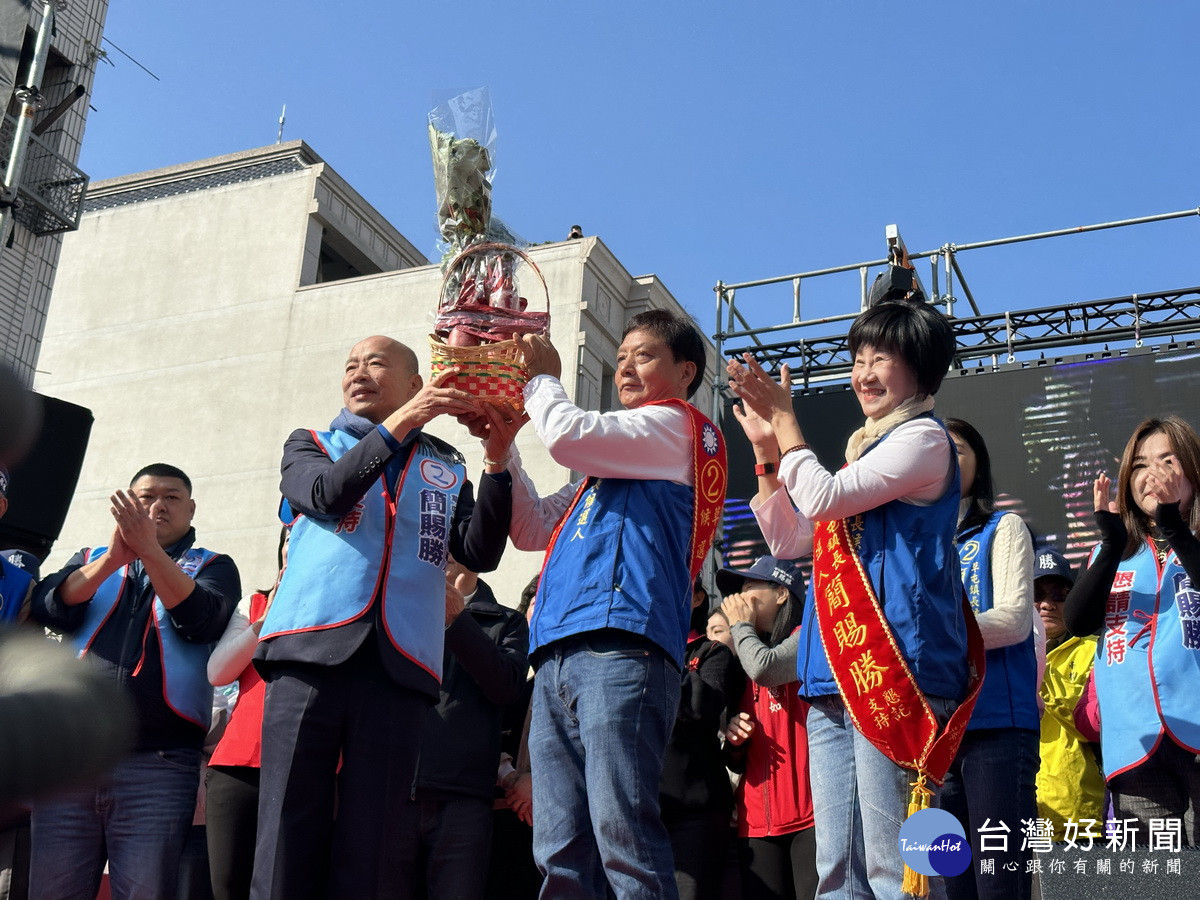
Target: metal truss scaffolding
x,y
1137,317
998,337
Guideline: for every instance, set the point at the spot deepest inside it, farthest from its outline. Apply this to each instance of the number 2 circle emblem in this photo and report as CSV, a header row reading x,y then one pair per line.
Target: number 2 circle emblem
x,y
438,474
712,481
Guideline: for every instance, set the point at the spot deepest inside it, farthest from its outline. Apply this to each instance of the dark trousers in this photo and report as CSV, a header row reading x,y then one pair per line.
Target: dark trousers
x,y
315,716
449,841
1165,786
512,873
14,859
782,867
699,840
992,783
232,824
194,880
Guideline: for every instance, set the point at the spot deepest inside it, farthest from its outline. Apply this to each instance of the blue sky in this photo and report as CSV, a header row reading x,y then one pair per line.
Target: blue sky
x,y
714,141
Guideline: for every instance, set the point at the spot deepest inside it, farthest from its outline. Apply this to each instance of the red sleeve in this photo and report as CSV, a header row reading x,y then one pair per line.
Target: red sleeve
x,y
1087,711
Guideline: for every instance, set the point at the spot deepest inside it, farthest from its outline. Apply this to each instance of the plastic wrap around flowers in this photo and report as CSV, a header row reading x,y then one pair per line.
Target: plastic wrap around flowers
x,y
480,308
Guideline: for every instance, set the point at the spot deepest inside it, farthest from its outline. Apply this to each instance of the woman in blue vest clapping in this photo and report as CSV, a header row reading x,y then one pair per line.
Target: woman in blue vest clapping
x,y
883,648
991,783
1138,593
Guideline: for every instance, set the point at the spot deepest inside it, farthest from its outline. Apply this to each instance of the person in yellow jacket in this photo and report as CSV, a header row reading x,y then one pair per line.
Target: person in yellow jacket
x,y
1070,785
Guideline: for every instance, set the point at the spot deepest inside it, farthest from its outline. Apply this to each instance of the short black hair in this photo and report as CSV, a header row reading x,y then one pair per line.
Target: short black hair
x,y
162,470
981,493
917,332
679,333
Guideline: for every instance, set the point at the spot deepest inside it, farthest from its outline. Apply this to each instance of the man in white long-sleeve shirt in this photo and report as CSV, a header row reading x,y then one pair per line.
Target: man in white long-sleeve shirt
x,y
611,616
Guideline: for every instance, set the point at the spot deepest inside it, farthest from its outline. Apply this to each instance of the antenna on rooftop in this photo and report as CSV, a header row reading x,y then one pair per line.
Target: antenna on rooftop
x,y
282,118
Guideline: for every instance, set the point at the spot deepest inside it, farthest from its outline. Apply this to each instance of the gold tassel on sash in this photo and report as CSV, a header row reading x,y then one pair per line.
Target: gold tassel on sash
x,y
881,695
914,882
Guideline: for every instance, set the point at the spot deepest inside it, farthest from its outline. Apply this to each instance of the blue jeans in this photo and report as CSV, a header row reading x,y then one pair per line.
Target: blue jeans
x,y
993,777
604,704
137,818
860,800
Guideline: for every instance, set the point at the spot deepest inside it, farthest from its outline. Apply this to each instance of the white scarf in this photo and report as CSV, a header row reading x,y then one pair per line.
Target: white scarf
x,y
874,429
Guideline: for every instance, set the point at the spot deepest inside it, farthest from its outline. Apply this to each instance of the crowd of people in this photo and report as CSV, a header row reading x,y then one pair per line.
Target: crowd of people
x,y
375,730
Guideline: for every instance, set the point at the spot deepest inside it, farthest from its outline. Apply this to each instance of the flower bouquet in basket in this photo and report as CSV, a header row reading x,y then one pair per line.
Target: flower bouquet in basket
x,y
480,308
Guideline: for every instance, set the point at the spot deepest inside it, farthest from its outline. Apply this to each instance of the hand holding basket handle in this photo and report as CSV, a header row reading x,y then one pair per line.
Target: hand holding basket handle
x,y
539,355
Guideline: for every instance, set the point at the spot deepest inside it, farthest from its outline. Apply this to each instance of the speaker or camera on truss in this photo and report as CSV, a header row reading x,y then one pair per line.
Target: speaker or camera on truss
x,y
899,280
42,483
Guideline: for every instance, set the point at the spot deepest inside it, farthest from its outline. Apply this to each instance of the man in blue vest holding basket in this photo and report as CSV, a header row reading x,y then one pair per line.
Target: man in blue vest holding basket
x,y
352,646
610,620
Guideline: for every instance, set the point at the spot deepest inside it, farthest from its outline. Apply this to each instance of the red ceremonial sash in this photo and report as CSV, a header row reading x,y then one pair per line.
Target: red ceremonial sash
x,y
709,478
876,685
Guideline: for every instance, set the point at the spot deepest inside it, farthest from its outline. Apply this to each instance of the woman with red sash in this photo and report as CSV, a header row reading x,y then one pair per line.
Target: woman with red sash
x,y
884,644
1138,593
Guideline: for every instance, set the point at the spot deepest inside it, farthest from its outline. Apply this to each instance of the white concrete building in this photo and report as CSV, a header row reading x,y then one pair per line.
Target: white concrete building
x,y
204,311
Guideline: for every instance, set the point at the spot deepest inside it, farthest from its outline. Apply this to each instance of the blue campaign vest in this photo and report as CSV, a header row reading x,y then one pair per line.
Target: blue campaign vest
x,y
1148,661
184,663
391,548
620,561
909,554
1008,697
14,585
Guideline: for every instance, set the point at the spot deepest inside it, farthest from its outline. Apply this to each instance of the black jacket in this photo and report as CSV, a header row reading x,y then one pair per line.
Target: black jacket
x,y
314,485
484,669
694,776
127,649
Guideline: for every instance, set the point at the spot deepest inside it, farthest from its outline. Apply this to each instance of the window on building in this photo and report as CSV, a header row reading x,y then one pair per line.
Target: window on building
x,y
608,390
338,259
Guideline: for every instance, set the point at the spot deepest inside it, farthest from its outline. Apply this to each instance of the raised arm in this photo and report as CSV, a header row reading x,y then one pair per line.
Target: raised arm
x,y
479,530
650,442
534,517
1084,608
80,584
767,666
315,485
914,464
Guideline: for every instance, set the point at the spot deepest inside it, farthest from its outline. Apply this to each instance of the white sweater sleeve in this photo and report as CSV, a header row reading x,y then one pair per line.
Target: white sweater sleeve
x,y
534,517
1011,617
788,534
913,464
235,649
650,442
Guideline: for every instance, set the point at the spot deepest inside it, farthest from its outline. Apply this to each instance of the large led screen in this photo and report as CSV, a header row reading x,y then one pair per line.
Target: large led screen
x,y
1051,427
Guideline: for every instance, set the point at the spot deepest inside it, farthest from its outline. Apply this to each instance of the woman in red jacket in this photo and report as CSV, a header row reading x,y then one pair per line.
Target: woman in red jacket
x,y
766,740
